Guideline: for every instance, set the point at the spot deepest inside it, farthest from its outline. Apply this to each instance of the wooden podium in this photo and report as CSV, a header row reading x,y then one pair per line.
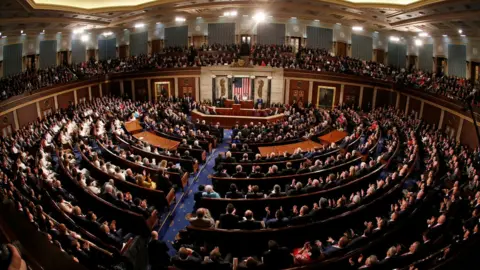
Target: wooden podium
x,y
236,108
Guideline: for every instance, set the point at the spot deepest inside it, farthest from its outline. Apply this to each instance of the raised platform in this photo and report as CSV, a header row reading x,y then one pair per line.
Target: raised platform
x,y
156,140
228,121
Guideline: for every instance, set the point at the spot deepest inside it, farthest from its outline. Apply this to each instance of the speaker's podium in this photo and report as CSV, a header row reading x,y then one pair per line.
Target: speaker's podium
x,y
236,108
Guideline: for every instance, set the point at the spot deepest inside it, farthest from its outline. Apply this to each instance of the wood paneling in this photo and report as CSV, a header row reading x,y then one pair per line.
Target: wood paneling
x,y
106,89
385,98
141,91
468,135
186,86
341,49
156,46
82,94
95,91
351,95
402,103
450,123
380,54
431,114
315,91
115,88
27,114
367,98
298,92
123,51
414,105
90,54
64,99
127,88
47,104
7,120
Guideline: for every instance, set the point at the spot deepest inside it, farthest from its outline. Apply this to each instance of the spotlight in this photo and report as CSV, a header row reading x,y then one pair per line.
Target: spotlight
x,y
78,30
106,34
357,28
84,38
180,19
423,34
460,31
394,39
418,42
259,17
139,25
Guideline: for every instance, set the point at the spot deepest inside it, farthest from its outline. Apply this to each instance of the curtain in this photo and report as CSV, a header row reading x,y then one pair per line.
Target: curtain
x,y
107,48
425,57
12,59
221,33
176,36
362,47
397,55
318,37
457,60
79,51
138,43
271,33
48,53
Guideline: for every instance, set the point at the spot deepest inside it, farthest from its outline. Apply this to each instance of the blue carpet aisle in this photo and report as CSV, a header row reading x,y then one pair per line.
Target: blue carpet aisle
x,y
185,205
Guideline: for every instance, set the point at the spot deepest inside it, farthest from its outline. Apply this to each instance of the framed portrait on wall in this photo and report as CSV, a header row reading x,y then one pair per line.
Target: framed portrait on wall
x,y
162,89
325,97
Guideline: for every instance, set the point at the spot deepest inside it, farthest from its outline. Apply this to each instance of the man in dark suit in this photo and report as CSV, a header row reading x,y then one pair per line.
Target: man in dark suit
x,y
313,186
288,170
277,257
234,193
257,173
197,197
229,220
216,262
221,172
229,158
249,223
278,221
187,259
186,155
158,253
239,173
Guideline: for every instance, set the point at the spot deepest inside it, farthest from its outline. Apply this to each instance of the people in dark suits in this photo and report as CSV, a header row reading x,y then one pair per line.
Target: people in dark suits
x,y
216,262
234,193
239,173
249,223
158,253
257,173
254,192
197,196
277,257
277,192
186,258
288,170
229,220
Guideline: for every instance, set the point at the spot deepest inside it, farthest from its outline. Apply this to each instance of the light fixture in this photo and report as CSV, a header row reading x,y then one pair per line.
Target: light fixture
x,y
21,31
84,38
226,13
245,15
460,31
59,32
157,23
198,18
376,32
423,34
316,20
418,42
180,19
259,17
233,13
445,35
394,38
0,33
338,23
78,30
462,35
357,28
294,18
106,34
4,36
139,25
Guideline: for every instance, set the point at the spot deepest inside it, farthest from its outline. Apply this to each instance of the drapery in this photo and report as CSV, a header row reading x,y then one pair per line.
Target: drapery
x,y
107,48
457,60
176,36
397,54
318,37
138,43
79,51
12,59
271,33
48,53
425,57
221,33
362,47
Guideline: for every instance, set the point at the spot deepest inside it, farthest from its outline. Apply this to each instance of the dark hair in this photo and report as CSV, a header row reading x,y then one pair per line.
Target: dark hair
x,y
233,187
201,188
230,208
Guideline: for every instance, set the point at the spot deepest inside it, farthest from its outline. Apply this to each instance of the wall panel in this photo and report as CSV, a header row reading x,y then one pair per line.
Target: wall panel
x,y
27,114
48,53
318,37
12,59
271,33
414,106
186,86
367,98
385,98
221,33
351,95
65,99
138,43
141,91
79,51
176,36
82,94
362,47
431,114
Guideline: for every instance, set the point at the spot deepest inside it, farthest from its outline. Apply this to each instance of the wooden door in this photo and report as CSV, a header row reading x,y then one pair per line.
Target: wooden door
x,y
412,61
91,54
440,65
156,46
474,71
380,54
198,41
341,49
123,51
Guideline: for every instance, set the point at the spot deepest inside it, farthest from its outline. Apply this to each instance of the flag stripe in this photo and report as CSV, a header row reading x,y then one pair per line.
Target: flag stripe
x,y
242,89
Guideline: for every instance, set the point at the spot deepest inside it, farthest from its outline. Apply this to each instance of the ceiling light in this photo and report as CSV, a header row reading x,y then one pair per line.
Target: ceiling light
x,y
294,18
316,20
84,38
376,32
226,13
21,31
418,42
78,30
198,18
24,34
233,13
338,23
463,35
180,19
157,23
59,32
106,34
460,31
245,15
259,17
423,34
357,28
139,25
4,36
394,39
0,33
445,35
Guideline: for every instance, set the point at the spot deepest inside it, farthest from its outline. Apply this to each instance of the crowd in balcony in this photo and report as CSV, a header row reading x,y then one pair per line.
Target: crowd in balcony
x,y
279,56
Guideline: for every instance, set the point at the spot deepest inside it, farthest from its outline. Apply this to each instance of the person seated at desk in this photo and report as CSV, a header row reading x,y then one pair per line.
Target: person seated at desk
x,y
233,193
288,170
257,172
229,220
249,223
229,158
245,159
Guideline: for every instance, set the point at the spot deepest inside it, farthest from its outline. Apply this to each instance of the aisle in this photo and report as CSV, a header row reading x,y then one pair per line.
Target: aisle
x,y
185,200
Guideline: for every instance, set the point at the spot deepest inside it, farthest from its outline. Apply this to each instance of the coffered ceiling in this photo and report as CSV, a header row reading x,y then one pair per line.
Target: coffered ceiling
x,y
436,17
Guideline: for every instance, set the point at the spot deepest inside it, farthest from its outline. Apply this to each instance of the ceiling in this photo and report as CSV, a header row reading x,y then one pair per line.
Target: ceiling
x,y
436,17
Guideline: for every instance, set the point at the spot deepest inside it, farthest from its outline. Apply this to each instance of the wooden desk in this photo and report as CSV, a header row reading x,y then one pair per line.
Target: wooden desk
x,y
333,137
156,140
289,148
228,121
247,104
133,126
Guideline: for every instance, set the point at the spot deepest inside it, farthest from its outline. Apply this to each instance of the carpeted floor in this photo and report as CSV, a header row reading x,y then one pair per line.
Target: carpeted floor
x,y
185,200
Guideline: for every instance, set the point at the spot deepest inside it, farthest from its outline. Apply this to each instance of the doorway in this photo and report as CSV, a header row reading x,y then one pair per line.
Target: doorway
x,y
296,43
475,71
198,41
440,65
246,39
30,64
341,49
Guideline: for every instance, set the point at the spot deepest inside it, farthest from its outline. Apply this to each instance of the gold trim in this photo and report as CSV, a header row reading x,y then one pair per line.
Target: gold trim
x,y
161,83
326,87
98,9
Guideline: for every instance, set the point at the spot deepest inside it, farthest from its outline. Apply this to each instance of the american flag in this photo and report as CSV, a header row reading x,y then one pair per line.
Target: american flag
x,y
242,87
